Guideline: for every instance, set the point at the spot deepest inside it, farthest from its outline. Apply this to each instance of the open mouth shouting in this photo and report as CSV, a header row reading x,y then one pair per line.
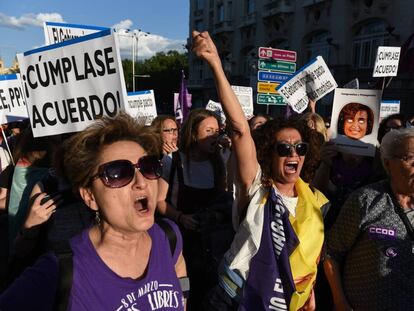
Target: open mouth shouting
x,y
141,204
291,166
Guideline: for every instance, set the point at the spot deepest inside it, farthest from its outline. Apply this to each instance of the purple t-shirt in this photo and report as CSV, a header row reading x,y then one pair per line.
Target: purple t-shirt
x,y
96,287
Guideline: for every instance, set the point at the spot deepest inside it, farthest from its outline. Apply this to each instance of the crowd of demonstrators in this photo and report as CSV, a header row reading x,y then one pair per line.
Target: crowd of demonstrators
x,y
116,216
279,220
192,191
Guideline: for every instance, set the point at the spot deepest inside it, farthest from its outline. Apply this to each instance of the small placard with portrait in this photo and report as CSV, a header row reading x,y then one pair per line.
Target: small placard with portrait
x,y
355,120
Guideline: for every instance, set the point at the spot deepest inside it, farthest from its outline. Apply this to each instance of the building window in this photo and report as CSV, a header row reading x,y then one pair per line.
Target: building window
x,y
318,46
199,4
366,42
250,7
220,12
199,25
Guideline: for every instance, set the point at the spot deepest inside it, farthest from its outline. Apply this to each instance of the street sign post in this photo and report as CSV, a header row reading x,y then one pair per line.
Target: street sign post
x,y
278,66
270,99
268,76
263,87
277,54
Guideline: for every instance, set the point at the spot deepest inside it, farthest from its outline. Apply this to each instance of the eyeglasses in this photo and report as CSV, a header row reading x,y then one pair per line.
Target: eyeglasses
x,y
119,173
285,149
171,131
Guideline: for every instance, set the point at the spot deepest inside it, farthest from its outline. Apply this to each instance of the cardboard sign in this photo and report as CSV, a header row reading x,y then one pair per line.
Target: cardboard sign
x,y
217,109
60,32
70,84
12,102
355,120
141,105
313,81
245,96
386,63
389,107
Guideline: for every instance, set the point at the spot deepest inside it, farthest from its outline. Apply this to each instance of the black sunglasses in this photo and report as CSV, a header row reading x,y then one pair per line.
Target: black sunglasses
x,y
284,149
119,173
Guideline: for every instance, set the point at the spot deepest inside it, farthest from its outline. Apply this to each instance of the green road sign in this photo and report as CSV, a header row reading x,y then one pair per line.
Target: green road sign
x,y
278,66
269,99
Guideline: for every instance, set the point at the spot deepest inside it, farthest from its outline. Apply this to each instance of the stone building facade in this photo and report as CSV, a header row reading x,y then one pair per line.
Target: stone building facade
x,y
345,32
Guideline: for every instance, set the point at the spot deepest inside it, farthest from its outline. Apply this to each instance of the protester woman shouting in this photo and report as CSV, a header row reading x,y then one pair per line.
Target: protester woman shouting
x,y
273,259
124,261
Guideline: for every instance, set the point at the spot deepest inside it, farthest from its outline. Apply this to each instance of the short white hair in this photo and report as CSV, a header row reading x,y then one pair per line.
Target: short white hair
x,y
392,140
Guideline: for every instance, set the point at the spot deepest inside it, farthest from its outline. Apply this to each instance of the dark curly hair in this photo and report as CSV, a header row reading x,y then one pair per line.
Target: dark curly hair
x,y
349,111
265,138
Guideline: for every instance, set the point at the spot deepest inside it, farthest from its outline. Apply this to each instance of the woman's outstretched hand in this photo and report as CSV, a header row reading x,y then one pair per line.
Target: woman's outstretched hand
x,y
204,47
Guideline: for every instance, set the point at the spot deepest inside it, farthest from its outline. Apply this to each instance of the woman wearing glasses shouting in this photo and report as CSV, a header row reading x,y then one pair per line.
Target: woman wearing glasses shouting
x,y
124,261
272,262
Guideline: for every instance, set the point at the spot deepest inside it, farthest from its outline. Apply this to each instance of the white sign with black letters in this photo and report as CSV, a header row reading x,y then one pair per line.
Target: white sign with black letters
x,y
12,102
386,63
245,96
389,107
60,32
70,84
217,109
141,105
312,82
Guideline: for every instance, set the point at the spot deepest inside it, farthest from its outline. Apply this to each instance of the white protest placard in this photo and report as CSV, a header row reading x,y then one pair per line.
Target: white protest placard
x,y
12,102
313,81
245,96
217,109
355,120
389,107
386,63
60,32
70,84
141,105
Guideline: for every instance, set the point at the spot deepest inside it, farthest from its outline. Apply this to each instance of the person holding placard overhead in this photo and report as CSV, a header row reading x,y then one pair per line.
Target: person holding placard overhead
x,y
272,262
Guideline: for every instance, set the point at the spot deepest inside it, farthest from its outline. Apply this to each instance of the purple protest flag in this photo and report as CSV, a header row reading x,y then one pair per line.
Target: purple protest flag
x,y
183,105
288,111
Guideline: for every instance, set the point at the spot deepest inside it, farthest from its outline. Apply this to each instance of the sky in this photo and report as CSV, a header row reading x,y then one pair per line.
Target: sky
x,y
21,23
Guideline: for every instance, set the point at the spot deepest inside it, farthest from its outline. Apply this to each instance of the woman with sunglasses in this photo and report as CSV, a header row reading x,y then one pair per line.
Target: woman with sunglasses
x,y
124,261
272,262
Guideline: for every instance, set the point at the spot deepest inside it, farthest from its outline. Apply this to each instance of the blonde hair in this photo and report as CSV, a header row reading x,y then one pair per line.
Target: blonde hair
x,y
316,122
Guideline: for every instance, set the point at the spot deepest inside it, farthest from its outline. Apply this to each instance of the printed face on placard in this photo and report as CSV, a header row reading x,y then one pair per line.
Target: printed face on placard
x,y
355,120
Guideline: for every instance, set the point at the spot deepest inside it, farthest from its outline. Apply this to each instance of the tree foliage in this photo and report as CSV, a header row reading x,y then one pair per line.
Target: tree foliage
x,y
164,70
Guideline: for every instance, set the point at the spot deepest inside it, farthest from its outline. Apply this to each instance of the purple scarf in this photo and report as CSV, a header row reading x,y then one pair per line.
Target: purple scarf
x,y
269,284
